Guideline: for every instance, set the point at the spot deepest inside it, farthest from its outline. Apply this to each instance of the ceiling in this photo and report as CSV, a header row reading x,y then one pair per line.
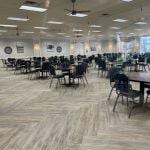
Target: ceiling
x,y
116,9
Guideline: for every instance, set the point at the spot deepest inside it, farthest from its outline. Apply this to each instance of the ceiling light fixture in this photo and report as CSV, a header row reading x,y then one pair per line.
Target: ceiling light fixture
x,y
77,30
8,25
120,20
27,32
116,28
140,23
55,22
96,31
94,26
43,28
61,33
78,15
127,0
31,8
17,19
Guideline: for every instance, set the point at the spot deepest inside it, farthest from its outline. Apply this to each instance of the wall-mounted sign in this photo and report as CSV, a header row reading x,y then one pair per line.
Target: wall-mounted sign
x,y
8,50
20,47
59,49
50,47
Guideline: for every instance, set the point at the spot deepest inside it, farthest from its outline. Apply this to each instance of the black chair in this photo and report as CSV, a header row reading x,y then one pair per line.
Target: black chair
x,y
111,75
79,74
45,69
35,69
54,76
124,89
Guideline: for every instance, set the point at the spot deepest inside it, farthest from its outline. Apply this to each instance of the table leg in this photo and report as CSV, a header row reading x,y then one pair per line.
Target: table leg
x,y
142,93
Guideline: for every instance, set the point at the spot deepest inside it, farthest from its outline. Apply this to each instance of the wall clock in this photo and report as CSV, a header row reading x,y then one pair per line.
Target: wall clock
x,y
59,49
8,50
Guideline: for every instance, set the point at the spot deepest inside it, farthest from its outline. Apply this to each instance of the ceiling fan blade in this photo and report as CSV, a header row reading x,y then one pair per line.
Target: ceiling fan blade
x,y
84,11
68,10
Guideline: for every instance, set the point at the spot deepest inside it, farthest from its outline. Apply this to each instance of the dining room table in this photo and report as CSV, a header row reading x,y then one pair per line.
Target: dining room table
x,y
143,78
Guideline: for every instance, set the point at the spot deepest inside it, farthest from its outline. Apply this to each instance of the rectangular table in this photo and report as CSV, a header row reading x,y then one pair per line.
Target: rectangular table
x,y
141,77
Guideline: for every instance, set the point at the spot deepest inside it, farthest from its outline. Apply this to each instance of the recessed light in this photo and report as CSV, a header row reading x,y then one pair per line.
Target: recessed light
x,y
61,33
3,31
120,20
100,35
17,19
116,28
140,23
27,32
127,0
67,36
78,15
43,28
96,31
31,8
77,30
94,26
138,29
8,25
78,34
131,33
55,22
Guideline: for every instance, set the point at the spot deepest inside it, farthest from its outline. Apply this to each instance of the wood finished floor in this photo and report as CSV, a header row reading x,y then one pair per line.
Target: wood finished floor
x,y
36,117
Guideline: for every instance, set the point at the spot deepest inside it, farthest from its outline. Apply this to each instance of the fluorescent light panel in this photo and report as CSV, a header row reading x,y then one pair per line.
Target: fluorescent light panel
x,y
120,20
43,28
55,22
94,26
8,25
127,0
17,19
140,23
27,32
60,33
31,8
77,30
96,31
116,28
78,15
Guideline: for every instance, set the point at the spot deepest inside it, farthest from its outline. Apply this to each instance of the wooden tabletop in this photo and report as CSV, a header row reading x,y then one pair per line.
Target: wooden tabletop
x,y
139,76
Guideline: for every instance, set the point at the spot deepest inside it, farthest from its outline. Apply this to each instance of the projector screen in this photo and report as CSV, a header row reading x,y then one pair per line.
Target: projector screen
x,y
145,44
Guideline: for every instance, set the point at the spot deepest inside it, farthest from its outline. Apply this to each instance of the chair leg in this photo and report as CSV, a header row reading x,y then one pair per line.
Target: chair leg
x,y
86,79
122,100
57,83
116,102
110,93
83,81
51,82
147,98
129,115
127,102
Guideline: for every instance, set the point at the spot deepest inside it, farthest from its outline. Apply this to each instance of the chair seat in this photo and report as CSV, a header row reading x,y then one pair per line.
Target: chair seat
x,y
131,93
59,76
148,92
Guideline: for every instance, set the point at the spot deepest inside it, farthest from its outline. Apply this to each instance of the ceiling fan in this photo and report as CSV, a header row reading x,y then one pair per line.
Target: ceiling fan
x,y
74,12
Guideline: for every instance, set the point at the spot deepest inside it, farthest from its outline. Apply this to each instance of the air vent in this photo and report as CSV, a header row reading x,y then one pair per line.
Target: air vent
x,y
30,3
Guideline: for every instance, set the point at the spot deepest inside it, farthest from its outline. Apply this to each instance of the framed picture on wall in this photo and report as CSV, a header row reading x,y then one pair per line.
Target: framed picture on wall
x,y
20,47
50,47
93,49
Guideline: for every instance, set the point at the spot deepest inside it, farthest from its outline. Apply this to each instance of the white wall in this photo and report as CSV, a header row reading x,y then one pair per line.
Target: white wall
x,y
68,48
28,48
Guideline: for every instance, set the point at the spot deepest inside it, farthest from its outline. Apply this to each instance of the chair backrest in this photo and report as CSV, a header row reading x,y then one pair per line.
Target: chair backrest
x,y
121,82
112,73
79,70
37,64
52,70
46,66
